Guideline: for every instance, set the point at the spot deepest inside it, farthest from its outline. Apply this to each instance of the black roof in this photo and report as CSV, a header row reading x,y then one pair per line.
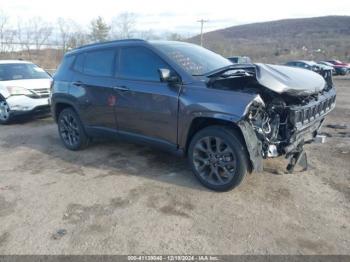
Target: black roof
x,y
107,43
110,42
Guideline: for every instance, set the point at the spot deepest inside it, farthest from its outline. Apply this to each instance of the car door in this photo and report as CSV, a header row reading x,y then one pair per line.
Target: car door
x,y
93,84
145,106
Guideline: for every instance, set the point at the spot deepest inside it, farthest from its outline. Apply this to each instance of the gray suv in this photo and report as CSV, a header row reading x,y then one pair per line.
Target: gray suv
x,y
185,99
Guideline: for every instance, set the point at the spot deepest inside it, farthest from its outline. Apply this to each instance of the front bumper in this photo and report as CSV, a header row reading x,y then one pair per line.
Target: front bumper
x,y
304,116
308,119
20,105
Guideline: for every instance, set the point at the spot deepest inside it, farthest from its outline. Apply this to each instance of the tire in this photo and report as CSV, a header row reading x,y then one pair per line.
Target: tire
x,y
71,130
222,167
5,112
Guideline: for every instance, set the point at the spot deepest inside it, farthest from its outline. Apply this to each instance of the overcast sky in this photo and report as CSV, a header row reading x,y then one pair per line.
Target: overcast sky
x,y
175,15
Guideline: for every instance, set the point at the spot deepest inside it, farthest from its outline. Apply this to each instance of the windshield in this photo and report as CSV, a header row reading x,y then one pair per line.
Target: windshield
x,y
17,71
193,59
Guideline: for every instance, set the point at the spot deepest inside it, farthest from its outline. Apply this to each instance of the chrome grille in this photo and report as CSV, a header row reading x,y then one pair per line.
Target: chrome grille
x,y
41,92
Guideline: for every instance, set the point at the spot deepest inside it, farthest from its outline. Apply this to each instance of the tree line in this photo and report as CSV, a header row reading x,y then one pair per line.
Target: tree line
x,y
35,33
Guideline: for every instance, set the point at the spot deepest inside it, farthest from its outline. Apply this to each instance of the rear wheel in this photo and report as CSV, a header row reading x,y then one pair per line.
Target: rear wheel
x,y
71,130
218,158
5,112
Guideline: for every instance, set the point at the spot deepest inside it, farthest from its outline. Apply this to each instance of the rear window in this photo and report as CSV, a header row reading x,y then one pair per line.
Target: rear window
x,y
20,71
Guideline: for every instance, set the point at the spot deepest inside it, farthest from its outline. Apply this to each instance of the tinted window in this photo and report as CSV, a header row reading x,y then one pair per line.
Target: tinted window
x,y
64,66
99,63
140,63
79,63
19,71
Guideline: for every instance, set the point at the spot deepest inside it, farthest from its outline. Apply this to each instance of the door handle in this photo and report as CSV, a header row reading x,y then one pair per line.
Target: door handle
x,y
78,83
121,88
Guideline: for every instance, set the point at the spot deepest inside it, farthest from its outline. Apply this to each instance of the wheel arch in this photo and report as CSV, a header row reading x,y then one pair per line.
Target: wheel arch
x,y
200,123
60,106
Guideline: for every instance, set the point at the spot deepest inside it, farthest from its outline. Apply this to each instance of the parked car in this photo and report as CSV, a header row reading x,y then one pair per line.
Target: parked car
x,y
340,64
310,65
339,69
24,89
240,59
183,98
324,70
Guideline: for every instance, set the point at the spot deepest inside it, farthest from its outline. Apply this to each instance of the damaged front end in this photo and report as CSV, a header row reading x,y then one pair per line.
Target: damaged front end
x,y
287,112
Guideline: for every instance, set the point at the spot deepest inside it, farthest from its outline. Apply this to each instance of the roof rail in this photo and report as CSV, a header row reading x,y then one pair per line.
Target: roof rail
x,y
109,42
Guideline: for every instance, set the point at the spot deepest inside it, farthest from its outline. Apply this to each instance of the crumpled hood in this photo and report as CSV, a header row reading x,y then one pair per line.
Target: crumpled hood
x,y
289,80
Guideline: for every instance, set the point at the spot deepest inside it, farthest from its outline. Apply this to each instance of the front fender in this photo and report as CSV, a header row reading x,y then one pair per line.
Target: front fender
x,y
228,106
194,102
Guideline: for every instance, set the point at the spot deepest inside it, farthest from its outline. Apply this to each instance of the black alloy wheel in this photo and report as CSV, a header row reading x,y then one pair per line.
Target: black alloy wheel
x,y
218,158
71,130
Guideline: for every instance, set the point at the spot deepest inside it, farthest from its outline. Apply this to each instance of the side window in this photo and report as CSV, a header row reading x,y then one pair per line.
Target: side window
x,y
99,63
79,63
140,63
64,67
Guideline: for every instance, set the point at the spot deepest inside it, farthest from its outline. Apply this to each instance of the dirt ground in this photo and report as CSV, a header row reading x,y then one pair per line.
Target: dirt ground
x,y
118,198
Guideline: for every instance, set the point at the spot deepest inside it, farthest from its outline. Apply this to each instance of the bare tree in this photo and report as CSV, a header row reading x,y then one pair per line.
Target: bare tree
x,y
7,34
71,34
34,33
78,38
123,26
3,24
66,32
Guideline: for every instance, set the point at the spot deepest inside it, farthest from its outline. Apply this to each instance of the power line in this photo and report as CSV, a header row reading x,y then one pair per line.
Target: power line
x,y
202,21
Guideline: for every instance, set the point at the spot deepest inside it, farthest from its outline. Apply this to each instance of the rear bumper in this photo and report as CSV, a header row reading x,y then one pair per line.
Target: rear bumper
x,y
23,105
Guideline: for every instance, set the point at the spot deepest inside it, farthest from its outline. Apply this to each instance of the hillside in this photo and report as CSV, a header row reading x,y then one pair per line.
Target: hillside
x,y
277,41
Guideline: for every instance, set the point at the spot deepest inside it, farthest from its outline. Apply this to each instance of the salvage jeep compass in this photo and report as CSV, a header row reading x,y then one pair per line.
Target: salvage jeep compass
x,y
183,98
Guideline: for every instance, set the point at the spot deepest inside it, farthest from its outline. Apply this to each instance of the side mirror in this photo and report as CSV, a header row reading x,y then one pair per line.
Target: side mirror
x,y
167,76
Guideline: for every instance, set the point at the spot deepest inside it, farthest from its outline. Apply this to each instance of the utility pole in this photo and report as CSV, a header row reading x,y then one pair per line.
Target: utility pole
x,y
202,21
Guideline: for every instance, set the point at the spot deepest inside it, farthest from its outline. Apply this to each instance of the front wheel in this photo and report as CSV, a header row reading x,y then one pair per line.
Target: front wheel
x,y
71,130
218,158
5,112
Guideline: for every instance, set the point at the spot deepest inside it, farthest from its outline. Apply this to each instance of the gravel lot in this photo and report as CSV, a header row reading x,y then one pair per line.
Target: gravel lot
x,y
118,198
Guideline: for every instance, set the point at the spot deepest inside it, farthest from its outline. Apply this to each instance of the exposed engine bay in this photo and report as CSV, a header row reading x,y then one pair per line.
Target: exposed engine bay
x,y
287,112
